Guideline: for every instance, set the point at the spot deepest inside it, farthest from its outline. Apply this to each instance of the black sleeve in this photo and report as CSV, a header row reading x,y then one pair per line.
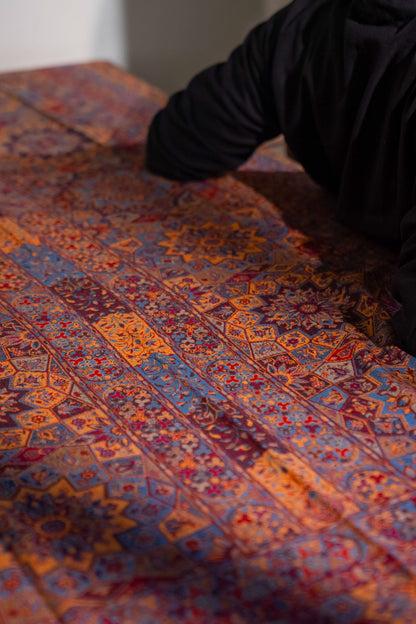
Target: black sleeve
x,y
404,322
222,116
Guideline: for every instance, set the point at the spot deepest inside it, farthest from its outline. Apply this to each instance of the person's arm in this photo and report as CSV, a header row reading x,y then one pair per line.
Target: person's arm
x,y
226,111
404,322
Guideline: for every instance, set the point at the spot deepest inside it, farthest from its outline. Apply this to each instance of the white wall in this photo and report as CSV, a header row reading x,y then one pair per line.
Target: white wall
x,y
170,40
35,33
164,41
271,6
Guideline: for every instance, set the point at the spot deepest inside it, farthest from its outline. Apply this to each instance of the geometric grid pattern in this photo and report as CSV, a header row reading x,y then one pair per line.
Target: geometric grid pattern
x,y
203,416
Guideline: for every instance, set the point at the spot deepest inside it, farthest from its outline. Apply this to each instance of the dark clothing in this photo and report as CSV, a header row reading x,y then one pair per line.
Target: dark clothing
x,y
338,79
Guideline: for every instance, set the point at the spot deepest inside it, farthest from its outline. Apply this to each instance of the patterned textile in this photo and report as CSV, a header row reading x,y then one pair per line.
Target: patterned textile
x,y
203,416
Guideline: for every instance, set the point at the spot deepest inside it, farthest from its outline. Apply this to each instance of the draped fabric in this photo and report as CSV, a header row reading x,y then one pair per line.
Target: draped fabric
x,y
203,416
337,78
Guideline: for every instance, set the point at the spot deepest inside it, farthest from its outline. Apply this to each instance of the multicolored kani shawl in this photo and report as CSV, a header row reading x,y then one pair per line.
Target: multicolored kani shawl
x,y
203,416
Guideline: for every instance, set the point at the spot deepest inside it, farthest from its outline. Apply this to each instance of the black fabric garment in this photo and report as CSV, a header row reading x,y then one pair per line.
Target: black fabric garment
x,y
338,79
